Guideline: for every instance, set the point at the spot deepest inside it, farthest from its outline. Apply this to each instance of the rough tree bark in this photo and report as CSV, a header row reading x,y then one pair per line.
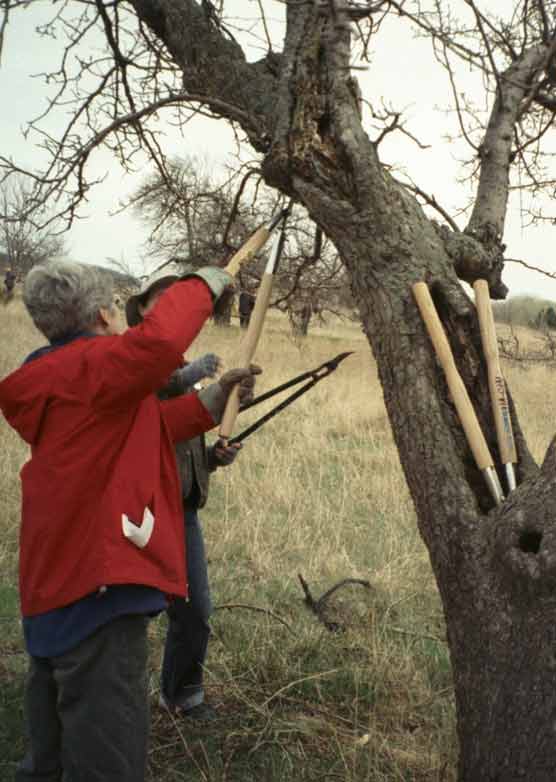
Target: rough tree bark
x,y
495,567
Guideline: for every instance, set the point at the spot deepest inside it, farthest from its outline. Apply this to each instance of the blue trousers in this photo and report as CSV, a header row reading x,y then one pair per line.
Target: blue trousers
x,y
188,633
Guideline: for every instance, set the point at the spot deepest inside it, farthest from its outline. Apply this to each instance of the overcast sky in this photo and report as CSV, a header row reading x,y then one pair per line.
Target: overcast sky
x,y
402,71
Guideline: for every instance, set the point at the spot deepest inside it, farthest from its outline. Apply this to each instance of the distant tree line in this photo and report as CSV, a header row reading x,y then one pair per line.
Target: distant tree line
x,y
527,311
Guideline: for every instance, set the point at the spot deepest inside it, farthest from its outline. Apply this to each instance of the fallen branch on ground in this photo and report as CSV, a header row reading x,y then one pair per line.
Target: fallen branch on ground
x,y
317,606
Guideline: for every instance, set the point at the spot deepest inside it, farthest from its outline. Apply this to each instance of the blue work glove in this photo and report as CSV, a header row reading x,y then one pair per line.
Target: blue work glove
x,y
221,284
205,366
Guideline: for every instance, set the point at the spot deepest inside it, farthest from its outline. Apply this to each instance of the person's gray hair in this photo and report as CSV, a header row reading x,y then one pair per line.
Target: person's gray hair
x,y
63,298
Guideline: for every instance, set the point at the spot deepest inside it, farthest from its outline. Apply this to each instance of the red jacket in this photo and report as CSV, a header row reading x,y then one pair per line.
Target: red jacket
x,y
102,457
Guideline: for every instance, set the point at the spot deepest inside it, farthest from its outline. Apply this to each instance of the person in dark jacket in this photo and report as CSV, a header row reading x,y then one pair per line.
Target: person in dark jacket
x,y
10,279
246,306
185,650
101,543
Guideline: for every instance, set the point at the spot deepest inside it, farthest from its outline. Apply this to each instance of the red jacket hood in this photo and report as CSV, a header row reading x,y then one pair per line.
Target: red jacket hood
x,y
24,397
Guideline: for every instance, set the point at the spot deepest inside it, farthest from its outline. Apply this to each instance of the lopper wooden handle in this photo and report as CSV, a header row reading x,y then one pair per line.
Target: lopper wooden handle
x,y
248,250
496,384
460,397
248,348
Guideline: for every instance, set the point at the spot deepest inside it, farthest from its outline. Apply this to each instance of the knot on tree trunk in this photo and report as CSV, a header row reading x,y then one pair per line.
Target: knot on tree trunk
x,y
476,255
526,540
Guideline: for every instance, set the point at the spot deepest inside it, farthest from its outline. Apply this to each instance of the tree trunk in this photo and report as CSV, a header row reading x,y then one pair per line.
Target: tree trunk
x,y
300,320
495,568
222,315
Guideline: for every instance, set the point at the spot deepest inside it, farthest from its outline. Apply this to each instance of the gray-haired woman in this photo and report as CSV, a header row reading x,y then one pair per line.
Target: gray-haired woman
x,y
102,532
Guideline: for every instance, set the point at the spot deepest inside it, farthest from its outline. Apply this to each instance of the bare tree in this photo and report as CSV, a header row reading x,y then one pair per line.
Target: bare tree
x,y
312,282
299,107
187,212
24,243
194,218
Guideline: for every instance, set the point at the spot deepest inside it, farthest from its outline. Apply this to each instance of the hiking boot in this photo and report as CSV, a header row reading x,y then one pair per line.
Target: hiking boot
x,y
202,712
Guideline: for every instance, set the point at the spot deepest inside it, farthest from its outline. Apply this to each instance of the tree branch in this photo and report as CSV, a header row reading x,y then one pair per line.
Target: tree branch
x,y
479,20
551,275
3,26
77,162
431,201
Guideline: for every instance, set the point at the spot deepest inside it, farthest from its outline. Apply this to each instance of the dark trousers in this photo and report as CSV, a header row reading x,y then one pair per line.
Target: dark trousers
x,y
87,711
188,633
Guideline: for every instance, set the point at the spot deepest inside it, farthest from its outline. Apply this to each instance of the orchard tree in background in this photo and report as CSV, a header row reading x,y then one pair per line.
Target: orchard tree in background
x,y
22,241
298,105
196,219
187,213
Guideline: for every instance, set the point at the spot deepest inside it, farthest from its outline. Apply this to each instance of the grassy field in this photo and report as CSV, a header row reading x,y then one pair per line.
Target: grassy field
x,y
317,492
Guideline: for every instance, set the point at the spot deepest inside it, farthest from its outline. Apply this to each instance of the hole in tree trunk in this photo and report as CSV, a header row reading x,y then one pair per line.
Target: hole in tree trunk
x,y
530,541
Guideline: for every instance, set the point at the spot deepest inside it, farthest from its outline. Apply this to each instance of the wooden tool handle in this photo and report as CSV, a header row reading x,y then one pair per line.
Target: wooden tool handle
x,y
460,397
247,351
248,250
497,386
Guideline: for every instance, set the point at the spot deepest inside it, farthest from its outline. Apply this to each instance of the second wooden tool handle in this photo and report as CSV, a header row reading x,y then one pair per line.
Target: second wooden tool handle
x,y
247,351
497,386
460,397
248,250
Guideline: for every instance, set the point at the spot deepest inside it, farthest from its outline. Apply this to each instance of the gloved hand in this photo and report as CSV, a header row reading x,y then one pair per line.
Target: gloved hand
x,y
215,396
220,455
219,281
205,366
245,378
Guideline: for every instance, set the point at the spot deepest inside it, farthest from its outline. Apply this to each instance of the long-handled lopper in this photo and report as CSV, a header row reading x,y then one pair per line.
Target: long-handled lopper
x,y
314,376
496,383
256,321
460,397
255,242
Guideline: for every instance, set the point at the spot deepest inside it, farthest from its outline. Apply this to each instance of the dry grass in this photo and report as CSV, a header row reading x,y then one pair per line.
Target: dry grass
x,y
318,491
